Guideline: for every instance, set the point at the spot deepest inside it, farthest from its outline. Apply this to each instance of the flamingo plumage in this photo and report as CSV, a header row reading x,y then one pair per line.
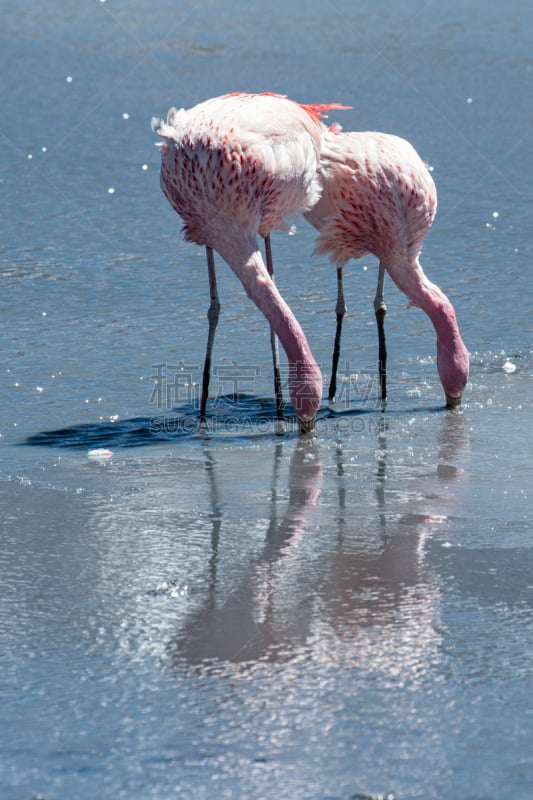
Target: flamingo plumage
x,y
378,197
234,167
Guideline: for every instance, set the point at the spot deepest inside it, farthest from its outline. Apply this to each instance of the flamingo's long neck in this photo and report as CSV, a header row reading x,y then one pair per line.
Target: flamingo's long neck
x,y
440,311
305,379
452,355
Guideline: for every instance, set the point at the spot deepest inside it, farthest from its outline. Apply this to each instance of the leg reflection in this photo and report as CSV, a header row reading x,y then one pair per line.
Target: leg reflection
x,y
249,623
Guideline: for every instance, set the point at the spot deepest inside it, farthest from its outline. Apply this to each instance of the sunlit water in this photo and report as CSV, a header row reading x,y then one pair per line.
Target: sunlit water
x,y
228,612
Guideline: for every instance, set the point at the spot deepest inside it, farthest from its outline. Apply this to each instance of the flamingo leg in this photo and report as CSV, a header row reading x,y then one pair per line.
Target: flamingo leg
x,y
212,316
380,310
340,311
274,339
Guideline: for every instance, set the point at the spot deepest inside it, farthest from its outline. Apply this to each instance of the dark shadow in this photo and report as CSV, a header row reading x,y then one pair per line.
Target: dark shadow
x,y
237,415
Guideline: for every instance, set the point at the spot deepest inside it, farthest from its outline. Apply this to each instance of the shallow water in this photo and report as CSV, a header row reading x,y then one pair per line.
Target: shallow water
x,y
228,612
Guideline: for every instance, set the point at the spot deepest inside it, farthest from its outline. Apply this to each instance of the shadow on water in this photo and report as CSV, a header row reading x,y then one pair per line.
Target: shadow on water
x,y
231,415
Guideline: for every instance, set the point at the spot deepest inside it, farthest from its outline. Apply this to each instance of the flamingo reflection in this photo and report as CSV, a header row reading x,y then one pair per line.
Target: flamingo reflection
x,y
342,576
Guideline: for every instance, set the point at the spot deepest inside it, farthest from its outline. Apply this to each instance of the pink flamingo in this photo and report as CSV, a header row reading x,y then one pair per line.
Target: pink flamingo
x,y
234,167
378,197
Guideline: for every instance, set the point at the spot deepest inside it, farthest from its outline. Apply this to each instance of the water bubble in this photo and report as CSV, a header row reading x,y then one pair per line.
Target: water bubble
x,y
69,78
144,167
469,101
171,588
125,116
44,149
495,214
178,591
99,452
111,190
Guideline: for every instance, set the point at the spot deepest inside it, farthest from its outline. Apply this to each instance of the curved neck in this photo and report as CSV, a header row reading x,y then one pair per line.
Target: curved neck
x,y
241,252
452,355
439,309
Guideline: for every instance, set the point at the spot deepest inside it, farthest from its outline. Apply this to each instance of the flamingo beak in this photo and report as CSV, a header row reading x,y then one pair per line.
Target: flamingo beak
x,y
306,425
452,402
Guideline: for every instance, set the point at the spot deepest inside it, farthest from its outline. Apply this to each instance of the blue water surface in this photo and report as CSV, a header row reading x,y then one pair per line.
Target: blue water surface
x,y
227,612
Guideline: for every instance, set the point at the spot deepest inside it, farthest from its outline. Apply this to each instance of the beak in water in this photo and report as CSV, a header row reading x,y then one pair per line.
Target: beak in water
x,y
452,402
306,425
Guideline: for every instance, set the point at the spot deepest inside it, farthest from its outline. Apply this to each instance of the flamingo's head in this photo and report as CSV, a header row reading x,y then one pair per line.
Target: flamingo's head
x,y
453,364
305,389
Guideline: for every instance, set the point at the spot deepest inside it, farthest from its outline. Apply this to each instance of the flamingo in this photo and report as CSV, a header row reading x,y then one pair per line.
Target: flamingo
x,y
378,197
234,167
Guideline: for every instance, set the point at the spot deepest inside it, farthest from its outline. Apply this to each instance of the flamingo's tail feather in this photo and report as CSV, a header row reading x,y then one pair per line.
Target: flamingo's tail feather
x,y
319,110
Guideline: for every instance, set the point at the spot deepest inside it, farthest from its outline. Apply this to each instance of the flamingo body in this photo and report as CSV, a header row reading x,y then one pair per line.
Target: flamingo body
x,y
233,168
378,197
243,160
